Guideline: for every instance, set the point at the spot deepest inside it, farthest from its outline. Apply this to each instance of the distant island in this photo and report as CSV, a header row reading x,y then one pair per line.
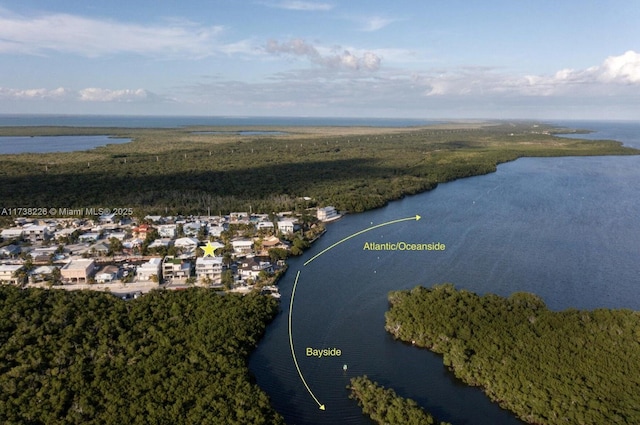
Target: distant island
x,y
193,170
547,367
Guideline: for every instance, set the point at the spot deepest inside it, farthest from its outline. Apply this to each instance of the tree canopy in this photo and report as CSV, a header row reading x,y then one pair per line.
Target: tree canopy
x,y
548,367
354,169
169,357
384,406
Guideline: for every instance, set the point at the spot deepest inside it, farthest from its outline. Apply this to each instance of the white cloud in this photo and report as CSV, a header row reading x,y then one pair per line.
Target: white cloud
x,y
39,93
337,57
621,69
94,94
375,23
612,77
91,94
299,5
96,37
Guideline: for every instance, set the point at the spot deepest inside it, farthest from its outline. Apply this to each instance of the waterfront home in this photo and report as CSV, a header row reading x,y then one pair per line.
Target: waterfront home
x,y
327,214
271,242
286,226
251,267
9,273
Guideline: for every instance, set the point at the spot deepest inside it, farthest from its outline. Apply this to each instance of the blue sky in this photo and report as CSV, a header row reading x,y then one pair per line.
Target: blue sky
x,y
418,59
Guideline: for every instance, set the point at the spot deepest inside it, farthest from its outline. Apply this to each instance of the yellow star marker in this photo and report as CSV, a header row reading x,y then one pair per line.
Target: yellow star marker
x,y
208,249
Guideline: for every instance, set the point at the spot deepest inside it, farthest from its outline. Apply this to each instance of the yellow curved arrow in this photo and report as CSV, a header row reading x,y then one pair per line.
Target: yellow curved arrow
x,y
416,218
293,293
293,353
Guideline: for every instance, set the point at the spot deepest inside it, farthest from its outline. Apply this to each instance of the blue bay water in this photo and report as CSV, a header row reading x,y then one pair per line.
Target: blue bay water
x,y
43,144
566,229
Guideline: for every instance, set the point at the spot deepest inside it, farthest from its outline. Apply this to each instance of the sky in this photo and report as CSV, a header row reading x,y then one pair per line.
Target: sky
x,y
570,59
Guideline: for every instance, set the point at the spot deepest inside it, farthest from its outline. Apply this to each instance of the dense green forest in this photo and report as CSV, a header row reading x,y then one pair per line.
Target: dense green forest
x,y
193,170
170,357
575,367
384,406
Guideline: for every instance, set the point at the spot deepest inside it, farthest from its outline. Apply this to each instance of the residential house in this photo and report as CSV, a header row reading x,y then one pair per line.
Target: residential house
x,y
43,254
89,237
145,271
118,235
239,217
12,233
10,251
251,267
242,246
265,225
186,244
154,218
8,273
167,231
100,248
36,233
41,274
272,242
141,231
63,233
107,274
107,218
327,214
78,270
160,243
175,268
191,228
286,226
209,268
216,230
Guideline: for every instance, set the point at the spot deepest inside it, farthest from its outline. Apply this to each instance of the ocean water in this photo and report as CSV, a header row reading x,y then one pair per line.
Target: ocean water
x,y
566,229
